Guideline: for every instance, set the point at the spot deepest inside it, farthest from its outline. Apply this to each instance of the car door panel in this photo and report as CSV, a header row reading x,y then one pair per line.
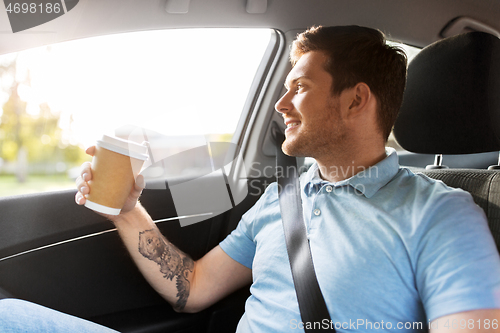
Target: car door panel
x,y
66,257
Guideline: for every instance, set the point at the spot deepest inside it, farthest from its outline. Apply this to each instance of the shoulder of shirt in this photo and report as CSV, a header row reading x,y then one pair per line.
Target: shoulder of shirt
x,y
266,202
270,194
430,196
435,185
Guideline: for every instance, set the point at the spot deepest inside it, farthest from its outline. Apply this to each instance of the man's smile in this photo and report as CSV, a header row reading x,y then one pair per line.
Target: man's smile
x,y
291,124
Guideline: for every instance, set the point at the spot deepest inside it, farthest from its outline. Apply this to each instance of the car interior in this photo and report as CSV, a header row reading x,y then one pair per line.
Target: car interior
x,y
64,256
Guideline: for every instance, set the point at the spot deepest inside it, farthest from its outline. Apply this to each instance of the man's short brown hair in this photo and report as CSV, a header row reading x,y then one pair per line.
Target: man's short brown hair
x,y
357,54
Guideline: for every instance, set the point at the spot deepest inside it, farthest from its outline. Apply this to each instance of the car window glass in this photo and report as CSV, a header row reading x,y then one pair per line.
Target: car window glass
x,y
188,85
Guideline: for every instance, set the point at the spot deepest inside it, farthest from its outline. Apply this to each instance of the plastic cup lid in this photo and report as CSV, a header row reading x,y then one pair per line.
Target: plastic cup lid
x,y
124,147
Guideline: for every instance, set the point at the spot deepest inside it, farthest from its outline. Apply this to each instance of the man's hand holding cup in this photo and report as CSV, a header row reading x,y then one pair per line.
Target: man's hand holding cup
x,y
111,184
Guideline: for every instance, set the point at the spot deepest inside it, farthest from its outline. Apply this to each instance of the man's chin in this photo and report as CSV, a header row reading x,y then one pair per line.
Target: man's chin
x,y
291,150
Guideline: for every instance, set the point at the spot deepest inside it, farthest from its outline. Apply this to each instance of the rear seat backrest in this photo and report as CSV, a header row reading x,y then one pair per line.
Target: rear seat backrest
x,y
452,106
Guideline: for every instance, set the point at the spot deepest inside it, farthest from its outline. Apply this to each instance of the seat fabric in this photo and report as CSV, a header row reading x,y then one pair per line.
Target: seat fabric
x,y
483,185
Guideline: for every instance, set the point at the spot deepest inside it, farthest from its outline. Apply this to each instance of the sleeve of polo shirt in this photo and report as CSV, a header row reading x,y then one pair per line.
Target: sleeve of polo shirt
x,y
240,245
458,265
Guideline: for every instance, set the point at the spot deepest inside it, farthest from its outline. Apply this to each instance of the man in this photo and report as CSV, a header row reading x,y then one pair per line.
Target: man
x,y
389,247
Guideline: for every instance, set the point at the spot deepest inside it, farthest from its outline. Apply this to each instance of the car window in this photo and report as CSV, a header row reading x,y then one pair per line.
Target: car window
x,y
185,86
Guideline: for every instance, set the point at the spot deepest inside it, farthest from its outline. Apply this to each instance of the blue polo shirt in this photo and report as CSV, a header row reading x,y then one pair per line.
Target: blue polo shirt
x,y
392,251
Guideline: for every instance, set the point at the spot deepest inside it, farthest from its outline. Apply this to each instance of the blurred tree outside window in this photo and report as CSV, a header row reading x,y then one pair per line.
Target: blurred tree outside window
x,y
30,143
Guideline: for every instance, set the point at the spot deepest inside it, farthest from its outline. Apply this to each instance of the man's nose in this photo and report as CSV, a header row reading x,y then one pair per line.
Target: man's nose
x,y
283,105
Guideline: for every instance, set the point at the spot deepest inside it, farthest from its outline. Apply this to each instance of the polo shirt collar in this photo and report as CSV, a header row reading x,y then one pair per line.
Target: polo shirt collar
x,y
368,181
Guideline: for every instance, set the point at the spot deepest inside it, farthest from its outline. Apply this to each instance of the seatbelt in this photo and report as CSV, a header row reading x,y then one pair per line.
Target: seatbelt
x,y
312,305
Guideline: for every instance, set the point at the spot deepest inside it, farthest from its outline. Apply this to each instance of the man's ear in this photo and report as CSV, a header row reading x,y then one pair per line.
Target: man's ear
x,y
360,98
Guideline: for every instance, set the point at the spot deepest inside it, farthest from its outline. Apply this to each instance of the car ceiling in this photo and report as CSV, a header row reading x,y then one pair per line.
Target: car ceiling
x,y
414,22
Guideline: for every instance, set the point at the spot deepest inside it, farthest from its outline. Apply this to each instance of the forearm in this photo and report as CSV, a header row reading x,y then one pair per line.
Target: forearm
x,y
167,269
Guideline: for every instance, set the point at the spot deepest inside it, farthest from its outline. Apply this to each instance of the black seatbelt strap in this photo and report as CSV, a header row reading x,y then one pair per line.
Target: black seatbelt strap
x,y
312,306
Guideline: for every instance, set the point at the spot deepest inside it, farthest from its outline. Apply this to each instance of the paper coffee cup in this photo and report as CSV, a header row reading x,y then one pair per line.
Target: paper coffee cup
x,y
115,167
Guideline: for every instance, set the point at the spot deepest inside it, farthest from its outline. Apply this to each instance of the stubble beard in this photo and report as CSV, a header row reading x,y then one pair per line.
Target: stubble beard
x,y
320,141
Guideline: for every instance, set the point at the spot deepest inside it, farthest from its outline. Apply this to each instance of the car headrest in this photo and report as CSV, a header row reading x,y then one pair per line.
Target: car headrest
x,y
452,100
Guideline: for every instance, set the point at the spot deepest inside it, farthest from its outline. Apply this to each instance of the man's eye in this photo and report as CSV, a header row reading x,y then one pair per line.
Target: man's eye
x,y
298,87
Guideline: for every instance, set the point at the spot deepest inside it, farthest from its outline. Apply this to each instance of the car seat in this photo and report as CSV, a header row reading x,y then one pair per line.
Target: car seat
x,y
452,106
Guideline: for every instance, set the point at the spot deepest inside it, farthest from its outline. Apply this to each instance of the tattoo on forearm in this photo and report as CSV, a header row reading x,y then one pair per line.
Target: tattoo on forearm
x,y
172,262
